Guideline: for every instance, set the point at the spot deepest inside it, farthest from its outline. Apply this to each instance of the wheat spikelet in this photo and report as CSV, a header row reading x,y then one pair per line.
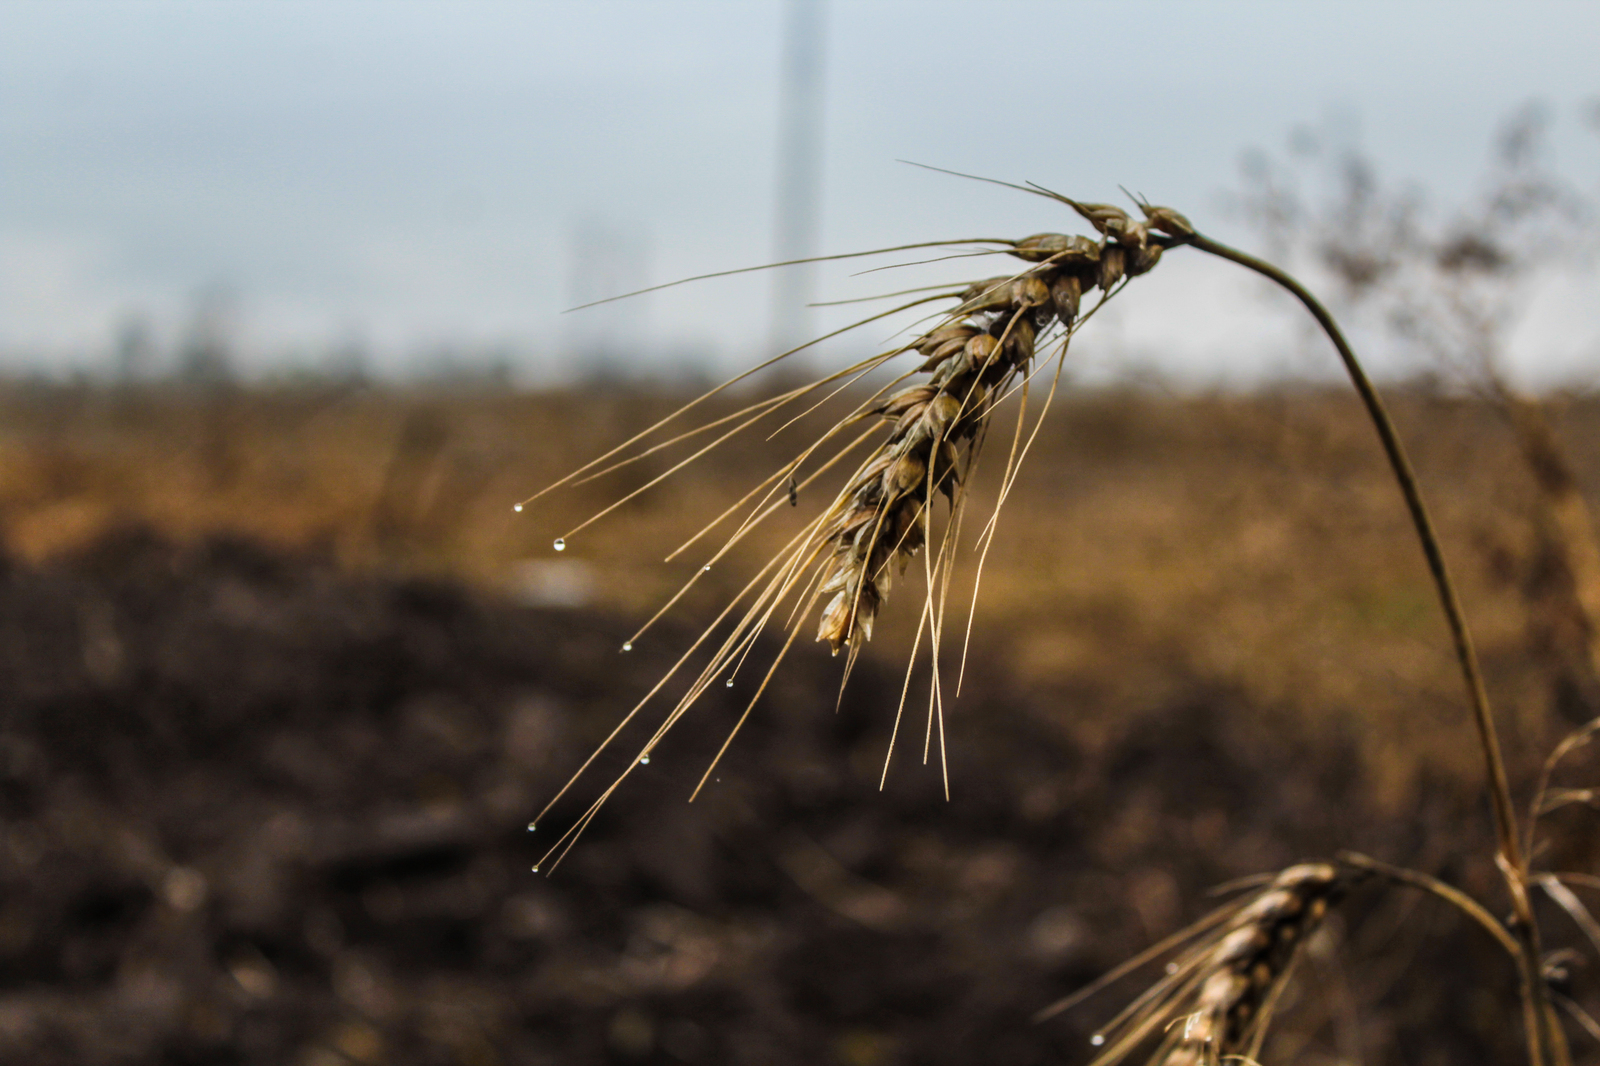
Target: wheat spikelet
x,y
1217,997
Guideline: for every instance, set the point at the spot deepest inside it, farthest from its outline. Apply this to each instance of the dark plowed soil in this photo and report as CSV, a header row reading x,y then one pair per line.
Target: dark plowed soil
x,y
259,811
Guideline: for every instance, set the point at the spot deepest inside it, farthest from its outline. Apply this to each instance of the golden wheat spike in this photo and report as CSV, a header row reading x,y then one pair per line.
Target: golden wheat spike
x,y
846,558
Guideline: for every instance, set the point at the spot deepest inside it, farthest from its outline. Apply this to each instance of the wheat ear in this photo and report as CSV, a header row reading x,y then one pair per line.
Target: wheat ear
x,y
974,357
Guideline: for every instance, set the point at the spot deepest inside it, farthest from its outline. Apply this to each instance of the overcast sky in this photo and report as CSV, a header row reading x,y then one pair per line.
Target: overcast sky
x,y
405,177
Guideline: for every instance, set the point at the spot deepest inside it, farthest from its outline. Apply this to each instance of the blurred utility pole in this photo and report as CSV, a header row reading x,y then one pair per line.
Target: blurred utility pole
x,y
799,171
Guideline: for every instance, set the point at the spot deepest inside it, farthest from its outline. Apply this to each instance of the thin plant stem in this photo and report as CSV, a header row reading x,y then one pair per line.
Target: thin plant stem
x,y
1504,812
1510,858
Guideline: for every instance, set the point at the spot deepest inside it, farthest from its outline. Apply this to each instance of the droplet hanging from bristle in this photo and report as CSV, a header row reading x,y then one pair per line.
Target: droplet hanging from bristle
x,y
535,869
730,682
517,507
561,544
1097,1039
532,827
644,760
627,645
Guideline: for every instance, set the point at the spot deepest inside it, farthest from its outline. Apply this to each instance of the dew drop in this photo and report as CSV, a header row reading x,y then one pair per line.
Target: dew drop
x,y
1172,967
532,826
517,507
627,645
535,869
644,760
1097,1040
704,568
561,544
730,682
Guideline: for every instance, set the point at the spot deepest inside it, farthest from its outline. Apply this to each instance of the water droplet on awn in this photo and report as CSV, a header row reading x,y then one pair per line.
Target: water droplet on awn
x,y
561,544
644,760
1097,1040
532,827
517,507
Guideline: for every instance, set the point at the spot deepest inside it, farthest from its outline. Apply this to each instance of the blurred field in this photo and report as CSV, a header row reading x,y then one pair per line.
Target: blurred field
x,y
1205,645
1254,542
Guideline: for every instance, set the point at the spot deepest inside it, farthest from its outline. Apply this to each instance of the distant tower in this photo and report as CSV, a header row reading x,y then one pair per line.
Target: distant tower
x,y
799,171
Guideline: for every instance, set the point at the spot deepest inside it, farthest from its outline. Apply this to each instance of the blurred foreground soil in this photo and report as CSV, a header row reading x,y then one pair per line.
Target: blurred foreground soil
x,y
283,678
